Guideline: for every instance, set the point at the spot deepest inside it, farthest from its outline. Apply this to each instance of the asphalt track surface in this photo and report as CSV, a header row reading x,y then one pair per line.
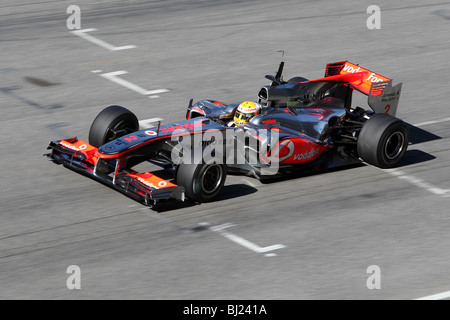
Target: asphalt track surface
x,y
330,227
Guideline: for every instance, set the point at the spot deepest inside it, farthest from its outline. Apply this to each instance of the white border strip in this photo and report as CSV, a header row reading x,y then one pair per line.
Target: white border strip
x,y
113,76
82,34
418,182
438,296
431,122
243,242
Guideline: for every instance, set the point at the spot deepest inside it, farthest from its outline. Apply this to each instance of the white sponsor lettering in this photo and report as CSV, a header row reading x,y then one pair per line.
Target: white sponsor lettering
x,y
307,155
372,78
350,69
72,147
148,184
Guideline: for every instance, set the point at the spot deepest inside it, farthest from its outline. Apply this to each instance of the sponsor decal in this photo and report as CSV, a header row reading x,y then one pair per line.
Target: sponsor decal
x,y
72,147
162,184
373,77
350,69
307,155
156,184
150,133
284,150
148,184
130,138
110,147
248,110
188,126
269,121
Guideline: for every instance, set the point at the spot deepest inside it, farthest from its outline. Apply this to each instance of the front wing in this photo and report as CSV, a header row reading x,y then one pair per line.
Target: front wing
x,y
81,157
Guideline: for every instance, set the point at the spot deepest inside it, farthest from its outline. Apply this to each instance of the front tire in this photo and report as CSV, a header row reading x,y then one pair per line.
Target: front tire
x,y
202,182
110,124
383,141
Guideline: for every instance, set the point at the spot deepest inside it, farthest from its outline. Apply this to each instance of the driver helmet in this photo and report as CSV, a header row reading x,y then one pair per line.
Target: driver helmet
x,y
245,111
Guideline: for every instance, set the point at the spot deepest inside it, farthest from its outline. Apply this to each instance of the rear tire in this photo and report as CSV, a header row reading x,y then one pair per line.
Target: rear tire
x,y
110,124
202,182
383,141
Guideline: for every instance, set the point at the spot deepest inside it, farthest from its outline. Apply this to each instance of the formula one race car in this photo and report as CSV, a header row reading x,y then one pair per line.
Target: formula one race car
x,y
300,125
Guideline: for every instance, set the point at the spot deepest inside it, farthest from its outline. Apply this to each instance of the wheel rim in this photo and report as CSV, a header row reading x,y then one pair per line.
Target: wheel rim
x,y
211,178
394,145
111,134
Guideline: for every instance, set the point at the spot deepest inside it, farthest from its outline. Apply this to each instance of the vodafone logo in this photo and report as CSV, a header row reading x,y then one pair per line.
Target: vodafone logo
x,y
150,133
285,148
148,184
373,77
162,184
307,155
350,69
72,147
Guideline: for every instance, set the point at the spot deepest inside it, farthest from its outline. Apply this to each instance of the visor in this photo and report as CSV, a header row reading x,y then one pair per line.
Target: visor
x,y
240,116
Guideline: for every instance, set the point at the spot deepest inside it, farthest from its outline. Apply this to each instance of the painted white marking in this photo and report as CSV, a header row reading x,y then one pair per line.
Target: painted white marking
x,y
243,242
83,34
113,76
270,254
418,182
438,296
96,71
425,123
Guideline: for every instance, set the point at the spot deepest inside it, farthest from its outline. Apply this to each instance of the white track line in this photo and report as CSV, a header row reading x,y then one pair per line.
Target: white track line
x,y
245,243
83,34
418,182
113,76
425,123
438,296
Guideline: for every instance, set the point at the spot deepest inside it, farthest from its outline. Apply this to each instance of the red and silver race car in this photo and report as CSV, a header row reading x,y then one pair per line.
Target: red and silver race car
x,y
302,125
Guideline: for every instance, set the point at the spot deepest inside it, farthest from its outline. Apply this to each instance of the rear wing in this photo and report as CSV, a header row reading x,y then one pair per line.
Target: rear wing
x,y
382,96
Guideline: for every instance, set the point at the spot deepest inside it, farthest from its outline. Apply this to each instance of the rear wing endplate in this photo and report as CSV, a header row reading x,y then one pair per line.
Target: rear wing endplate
x,y
382,96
